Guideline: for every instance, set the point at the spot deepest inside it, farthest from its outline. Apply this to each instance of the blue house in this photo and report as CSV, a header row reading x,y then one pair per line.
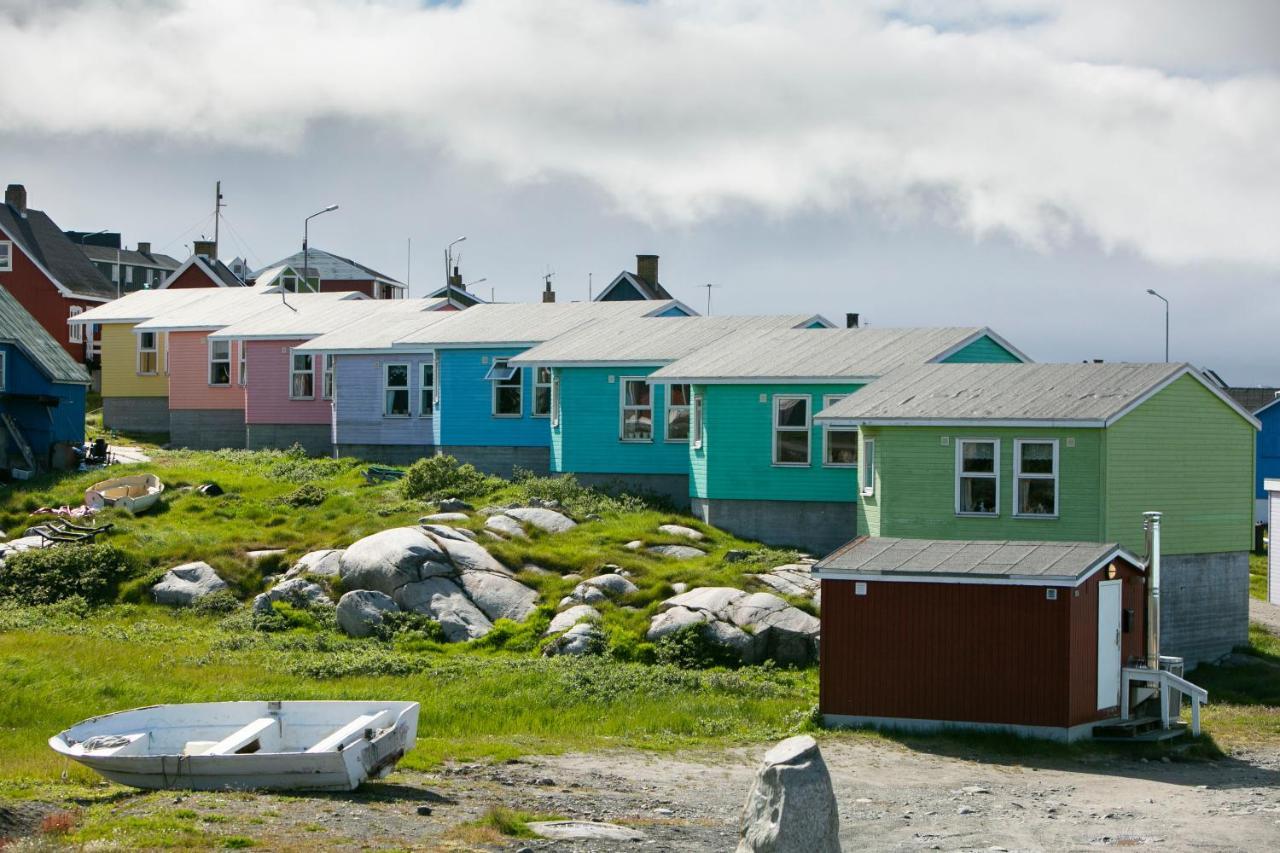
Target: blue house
x,y
609,425
1268,467
42,392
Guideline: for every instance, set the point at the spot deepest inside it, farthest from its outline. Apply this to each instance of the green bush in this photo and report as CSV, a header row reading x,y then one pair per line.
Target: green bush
x,y
46,575
217,603
689,648
138,590
574,497
445,477
285,617
308,494
405,625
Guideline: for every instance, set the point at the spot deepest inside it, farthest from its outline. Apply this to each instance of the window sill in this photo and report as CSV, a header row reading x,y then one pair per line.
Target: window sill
x,y
845,465
792,465
635,440
220,385
977,515
396,417
541,417
507,417
1031,517
300,399
146,374
675,441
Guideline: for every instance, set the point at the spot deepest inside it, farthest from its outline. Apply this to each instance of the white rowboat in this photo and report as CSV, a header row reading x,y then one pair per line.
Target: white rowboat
x,y
316,746
136,494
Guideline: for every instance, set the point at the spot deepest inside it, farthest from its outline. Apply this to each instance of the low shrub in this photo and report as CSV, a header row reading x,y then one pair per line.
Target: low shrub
x,y
46,575
217,603
406,625
286,617
576,498
444,476
690,648
308,494
137,590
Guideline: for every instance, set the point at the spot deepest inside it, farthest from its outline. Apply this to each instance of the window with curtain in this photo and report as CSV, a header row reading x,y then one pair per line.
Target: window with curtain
x,y
791,430
978,477
395,387
679,405
637,410
1036,472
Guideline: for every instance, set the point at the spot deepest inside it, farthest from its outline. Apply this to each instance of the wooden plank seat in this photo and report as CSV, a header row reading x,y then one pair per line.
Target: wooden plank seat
x,y
352,730
246,739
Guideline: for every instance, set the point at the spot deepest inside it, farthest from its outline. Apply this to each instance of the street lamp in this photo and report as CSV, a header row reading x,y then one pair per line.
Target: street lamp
x,y
305,250
1166,321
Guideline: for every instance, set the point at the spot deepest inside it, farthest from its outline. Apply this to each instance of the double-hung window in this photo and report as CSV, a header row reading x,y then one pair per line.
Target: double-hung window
x,y
1036,472
839,443
326,381
698,415
302,377
76,333
426,389
242,365
219,362
508,389
977,476
555,400
542,392
395,391
791,429
637,409
867,470
678,405
148,354
6,256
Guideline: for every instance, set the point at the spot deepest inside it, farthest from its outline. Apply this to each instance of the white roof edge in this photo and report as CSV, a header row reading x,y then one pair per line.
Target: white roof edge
x,y
365,350
1186,370
1060,423
967,578
764,380
1271,484
983,332
1266,406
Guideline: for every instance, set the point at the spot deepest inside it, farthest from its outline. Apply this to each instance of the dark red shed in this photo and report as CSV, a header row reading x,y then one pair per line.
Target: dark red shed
x,y
1027,637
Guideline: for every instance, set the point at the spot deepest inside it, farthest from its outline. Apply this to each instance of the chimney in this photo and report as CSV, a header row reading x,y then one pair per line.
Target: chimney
x,y
15,195
144,248
455,280
647,269
208,248
548,295
1151,524
851,321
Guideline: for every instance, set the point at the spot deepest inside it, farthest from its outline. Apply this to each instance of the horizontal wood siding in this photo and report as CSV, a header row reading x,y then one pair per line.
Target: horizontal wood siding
x,y
120,376
698,458
189,386
1268,467
588,438
191,277
40,296
267,389
41,425
358,402
1084,637
1187,454
935,651
982,351
465,411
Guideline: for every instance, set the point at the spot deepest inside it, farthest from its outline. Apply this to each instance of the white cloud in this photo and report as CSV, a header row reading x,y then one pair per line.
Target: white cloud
x,y
1040,119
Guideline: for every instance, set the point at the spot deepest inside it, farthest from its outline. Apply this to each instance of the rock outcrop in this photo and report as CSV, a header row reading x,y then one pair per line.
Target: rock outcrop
x,y
325,563
676,552
360,612
599,588
546,520
186,584
756,626
681,530
791,807
297,592
585,638
506,526
793,579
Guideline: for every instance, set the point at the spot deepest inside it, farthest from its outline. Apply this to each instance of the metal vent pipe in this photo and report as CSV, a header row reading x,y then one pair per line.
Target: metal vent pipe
x,y
1151,524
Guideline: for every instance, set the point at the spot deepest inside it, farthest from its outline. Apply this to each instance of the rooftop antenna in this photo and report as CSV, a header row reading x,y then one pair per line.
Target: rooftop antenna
x,y
708,286
590,296
449,261
217,212
408,265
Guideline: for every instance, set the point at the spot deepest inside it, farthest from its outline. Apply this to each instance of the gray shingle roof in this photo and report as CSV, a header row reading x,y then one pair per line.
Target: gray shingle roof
x,y
821,354
19,328
1254,399
1070,394
331,267
947,559
649,340
129,257
40,238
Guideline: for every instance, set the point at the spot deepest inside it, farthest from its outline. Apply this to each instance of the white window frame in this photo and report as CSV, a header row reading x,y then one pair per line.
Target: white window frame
x,y
153,350
538,385
6,256
327,379
698,416
387,388
164,336
212,347
242,366
75,331
555,400
807,429
624,407
425,411
500,375
828,401
1019,476
867,467
669,407
295,374
960,444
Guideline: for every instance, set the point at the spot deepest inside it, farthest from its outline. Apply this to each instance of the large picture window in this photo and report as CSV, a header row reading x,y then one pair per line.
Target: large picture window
x,y
148,358
395,388
978,477
791,430
678,412
76,332
508,389
1036,473
426,389
839,443
219,362
302,377
542,392
637,410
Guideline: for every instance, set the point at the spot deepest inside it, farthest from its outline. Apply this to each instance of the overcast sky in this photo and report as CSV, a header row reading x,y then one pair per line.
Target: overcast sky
x,y
1031,165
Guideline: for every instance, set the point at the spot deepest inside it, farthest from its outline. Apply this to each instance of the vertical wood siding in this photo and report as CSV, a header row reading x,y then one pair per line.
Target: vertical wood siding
x,y
267,389
465,412
1084,637
189,386
120,364
358,403
588,438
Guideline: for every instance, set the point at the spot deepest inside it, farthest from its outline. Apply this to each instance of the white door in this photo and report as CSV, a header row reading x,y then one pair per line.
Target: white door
x,y
1108,644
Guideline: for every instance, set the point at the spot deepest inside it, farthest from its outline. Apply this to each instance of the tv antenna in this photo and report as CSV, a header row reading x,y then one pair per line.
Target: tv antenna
x,y
708,286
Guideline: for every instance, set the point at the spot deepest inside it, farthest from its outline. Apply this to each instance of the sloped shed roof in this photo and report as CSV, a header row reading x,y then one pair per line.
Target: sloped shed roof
x,y
20,329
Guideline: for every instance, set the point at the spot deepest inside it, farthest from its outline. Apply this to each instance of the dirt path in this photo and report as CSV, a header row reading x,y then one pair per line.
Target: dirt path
x,y
890,797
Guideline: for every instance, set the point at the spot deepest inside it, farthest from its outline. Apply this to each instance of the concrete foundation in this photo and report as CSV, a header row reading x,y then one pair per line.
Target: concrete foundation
x,y
1204,605
818,527
136,414
386,454
907,724
316,439
207,429
502,460
670,487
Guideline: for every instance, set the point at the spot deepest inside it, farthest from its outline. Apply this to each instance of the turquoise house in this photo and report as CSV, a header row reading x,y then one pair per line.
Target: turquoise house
x,y
609,424
759,464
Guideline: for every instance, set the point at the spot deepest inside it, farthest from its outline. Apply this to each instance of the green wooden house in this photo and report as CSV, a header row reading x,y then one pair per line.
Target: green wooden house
x,y
1070,452
759,464
609,425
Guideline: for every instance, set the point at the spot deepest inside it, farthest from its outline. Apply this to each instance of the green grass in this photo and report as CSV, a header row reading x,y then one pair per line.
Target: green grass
x,y
1258,576
511,823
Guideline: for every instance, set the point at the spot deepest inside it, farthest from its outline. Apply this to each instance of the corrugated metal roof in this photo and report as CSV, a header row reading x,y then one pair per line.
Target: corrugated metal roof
x,y
794,354
224,307
19,328
495,325
1083,393
145,304
131,257
309,318
364,335
942,558
649,340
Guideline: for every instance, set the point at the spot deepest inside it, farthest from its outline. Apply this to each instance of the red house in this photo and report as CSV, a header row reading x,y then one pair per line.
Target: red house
x,y
202,269
47,273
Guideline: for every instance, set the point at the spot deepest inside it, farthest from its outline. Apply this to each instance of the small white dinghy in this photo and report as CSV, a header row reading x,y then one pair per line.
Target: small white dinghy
x,y
316,746
136,494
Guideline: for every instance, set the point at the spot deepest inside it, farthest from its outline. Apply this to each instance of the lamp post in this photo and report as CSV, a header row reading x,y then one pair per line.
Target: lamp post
x,y
1166,321
306,223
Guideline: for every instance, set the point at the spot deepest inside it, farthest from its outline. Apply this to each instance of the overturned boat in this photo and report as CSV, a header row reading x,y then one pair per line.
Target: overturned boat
x,y
136,494
316,746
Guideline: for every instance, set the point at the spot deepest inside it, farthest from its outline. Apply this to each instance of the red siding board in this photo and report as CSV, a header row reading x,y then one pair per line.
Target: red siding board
x,y
40,296
193,276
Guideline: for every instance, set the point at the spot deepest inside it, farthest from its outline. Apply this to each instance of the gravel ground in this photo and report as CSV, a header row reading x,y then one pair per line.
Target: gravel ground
x,y
891,798
1265,614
